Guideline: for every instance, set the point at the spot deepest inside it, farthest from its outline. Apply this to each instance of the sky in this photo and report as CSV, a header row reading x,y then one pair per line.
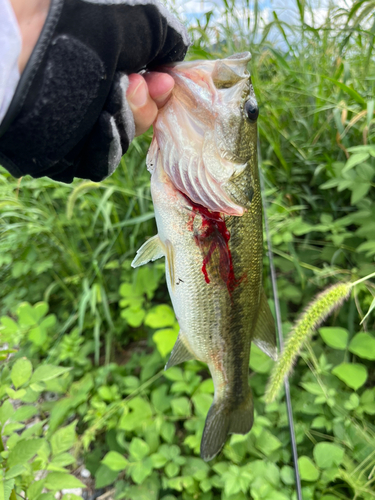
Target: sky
x,y
285,9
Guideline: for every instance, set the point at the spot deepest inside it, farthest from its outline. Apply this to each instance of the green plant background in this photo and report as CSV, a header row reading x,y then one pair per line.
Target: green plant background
x,y
85,337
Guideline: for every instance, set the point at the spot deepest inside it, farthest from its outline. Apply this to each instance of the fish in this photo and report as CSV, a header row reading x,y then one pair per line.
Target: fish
x,y
207,199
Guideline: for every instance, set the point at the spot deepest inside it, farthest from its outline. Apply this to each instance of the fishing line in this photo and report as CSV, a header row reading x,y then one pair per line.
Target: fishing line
x,y
288,399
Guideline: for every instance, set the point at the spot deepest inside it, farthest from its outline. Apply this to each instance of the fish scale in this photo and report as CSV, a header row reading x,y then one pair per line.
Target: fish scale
x,y
210,232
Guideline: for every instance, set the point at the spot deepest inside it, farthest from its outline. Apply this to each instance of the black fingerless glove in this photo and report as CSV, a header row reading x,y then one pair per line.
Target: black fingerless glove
x,y
69,116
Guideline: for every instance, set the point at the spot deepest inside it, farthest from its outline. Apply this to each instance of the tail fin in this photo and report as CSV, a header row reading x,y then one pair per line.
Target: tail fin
x,y
223,420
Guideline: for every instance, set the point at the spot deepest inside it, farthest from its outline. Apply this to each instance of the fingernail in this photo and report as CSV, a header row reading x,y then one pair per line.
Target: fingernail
x,y
138,97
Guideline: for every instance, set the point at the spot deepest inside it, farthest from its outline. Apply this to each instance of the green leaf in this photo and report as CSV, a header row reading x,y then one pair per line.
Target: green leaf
x,y
354,160
138,449
104,476
24,413
27,315
141,470
354,375
115,461
307,469
62,460
335,337
267,443
259,362
363,345
165,340
35,489
287,475
359,191
328,455
160,317
47,372
139,415
60,480
15,471
6,411
202,403
63,439
181,407
350,91
21,372
23,451
7,487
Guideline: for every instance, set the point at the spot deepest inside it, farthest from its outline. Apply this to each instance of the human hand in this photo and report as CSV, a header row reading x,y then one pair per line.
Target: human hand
x,y
146,94
81,100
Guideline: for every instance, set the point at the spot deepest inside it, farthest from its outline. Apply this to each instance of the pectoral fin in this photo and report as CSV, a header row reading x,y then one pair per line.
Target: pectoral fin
x,y
265,333
180,353
151,250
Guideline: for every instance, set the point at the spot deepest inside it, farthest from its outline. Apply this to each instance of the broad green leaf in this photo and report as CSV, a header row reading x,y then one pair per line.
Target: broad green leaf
x,y
10,325
62,460
60,480
202,403
24,450
335,337
165,339
307,469
24,413
15,471
328,455
363,345
104,476
7,487
160,317
35,489
354,375
47,372
259,362
136,414
141,470
181,407
115,461
159,398
63,439
26,315
287,475
138,449
354,160
359,191
21,372
6,411
267,443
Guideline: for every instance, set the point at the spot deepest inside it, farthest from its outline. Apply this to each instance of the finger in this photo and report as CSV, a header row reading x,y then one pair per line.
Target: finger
x,y
160,86
143,107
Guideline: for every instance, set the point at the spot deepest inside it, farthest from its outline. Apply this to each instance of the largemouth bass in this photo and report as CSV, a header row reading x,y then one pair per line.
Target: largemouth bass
x,y
206,194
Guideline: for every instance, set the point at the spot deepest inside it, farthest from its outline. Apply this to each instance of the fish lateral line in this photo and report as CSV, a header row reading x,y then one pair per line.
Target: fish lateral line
x,y
213,225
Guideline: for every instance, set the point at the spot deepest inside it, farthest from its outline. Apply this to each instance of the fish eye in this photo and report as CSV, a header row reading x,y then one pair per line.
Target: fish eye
x,y
251,110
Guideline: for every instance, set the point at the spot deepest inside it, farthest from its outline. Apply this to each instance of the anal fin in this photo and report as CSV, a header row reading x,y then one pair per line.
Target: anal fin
x,y
180,353
151,250
265,332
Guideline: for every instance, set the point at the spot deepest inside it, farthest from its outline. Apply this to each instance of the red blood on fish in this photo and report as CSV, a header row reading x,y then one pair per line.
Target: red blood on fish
x,y
214,227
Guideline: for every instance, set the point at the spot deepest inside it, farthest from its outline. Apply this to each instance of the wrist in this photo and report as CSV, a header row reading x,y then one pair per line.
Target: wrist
x,y
31,16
